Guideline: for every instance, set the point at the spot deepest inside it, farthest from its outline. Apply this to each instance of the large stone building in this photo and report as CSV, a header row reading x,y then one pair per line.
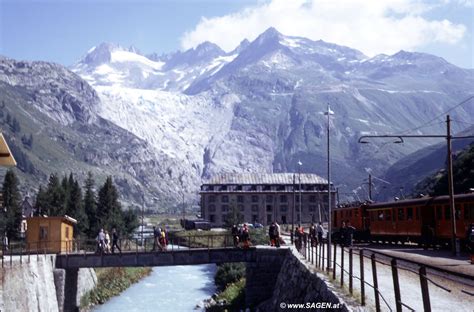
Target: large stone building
x,y
263,198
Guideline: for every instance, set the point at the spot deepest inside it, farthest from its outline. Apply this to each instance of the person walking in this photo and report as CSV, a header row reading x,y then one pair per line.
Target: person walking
x,y
245,236
320,231
312,235
107,242
235,235
277,234
115,240
156,239
350,230
100,241
271,233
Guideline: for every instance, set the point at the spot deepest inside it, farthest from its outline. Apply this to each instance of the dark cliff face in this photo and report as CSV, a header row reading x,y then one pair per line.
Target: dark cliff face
x,y
55,90
58,110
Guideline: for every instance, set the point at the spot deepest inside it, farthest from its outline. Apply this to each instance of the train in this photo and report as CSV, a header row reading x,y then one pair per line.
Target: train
x,y
425,221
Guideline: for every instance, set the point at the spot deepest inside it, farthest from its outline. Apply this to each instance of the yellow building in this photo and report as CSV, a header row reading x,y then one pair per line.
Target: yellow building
x,y
50,234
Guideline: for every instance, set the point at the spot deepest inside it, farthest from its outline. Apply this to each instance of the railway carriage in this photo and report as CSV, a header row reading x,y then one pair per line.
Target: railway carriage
x,y
424,220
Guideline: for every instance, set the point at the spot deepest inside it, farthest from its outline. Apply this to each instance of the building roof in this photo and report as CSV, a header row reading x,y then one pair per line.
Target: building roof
x,y
266,178
65,218
6,157
26,208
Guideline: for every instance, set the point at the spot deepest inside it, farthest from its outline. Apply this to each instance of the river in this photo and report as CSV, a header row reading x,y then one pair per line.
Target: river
x,y
173,288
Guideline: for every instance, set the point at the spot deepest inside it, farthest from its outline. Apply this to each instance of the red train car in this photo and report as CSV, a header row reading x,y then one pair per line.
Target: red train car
x,y
422,220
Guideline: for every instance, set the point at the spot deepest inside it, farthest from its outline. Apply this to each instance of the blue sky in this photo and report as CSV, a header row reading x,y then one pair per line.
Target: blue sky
x,y
62,31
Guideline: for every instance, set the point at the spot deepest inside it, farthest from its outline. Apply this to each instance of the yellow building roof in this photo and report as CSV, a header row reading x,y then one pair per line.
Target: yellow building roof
x,y
6,157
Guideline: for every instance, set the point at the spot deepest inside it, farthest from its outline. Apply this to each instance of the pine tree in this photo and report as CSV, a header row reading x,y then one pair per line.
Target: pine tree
x,y
11,205
90,206
76,209
109,210
55,197
41,203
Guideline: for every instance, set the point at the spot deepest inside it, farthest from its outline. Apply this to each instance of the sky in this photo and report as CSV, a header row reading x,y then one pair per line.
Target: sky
x,y
63,31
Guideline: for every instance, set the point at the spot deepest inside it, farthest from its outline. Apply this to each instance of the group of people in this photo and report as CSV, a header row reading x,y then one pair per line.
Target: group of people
x,y
160,240
241,236
346,233
104,244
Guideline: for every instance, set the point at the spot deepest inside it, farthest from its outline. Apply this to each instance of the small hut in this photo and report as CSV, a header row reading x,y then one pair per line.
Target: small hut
x,y
50,234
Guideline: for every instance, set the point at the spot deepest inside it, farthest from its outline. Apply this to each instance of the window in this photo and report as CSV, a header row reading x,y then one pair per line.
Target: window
x,y
43,233
409,213
240,198
212,208
284,208
469,211
283,199
254,207
312,207
439,212
238,187
380,215
267,188
212,218
401,214
224,188
312,199
225,198
388,215
254,199
241,207
212,198
269,219
225,208
269,208
269,198
254,218
458,211
280,187
447,213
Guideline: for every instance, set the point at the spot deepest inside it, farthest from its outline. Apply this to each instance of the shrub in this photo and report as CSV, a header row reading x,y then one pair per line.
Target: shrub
x,y
229,273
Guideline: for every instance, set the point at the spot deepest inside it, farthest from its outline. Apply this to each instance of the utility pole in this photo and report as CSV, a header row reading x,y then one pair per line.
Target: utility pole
x,y
299,188
293,209
449,138
329,113
370,187
184,210
455,240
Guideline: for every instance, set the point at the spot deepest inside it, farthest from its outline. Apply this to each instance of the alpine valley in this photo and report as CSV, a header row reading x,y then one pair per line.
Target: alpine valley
x,y
161,124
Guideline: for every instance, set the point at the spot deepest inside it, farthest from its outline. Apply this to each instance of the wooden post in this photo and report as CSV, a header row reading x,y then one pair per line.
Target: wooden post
x,y
342,265
396,285
376,285
334,263
424,289
321,256
350,271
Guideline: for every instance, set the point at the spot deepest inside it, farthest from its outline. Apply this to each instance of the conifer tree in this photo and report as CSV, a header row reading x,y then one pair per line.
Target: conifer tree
x,y
11,205
41,203
76,210
55,197
109,210
90,206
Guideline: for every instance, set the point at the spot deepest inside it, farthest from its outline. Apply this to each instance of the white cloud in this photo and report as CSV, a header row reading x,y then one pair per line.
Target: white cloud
x,y
372,26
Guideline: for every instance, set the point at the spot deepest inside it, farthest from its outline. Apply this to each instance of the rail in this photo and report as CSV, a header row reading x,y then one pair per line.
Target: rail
x,y
311,249
23,251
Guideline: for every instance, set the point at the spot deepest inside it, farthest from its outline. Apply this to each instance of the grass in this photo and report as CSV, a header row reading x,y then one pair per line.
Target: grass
x,y
111,282
234,297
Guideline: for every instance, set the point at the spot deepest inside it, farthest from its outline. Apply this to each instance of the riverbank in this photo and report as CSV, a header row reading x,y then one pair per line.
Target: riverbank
x,y
111,282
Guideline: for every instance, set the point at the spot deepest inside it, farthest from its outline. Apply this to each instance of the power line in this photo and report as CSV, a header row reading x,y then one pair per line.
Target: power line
x,y
442,114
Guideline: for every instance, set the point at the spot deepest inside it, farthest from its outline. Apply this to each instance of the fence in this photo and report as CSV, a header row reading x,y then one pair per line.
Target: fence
x,y
22,251
351,259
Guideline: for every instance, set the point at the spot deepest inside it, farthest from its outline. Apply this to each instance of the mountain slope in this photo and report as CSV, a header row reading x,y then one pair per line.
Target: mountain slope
x,y
58,110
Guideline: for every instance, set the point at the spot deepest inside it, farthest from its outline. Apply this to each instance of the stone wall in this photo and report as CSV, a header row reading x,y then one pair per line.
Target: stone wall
x,y
35,285
261,275
298,283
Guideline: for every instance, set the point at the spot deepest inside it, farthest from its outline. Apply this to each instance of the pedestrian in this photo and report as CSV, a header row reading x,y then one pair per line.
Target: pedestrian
x,y
350,230
312,235
320,231
100,241
299,238
245,236
343,235
235,235
163,240
107,242
271,233
5,242
156,239
277,234
115,240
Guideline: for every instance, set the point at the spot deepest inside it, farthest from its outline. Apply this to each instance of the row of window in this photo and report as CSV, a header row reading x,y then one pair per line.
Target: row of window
x,y
288,188
441,212
283,208
268,198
